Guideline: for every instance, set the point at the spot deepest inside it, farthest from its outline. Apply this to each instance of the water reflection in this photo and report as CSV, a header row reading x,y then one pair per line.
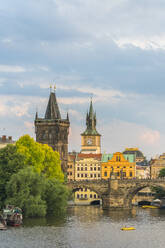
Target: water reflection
x,y
89,227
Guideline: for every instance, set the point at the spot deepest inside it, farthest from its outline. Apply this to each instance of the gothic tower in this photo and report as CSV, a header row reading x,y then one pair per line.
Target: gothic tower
x,y
90,139
53,130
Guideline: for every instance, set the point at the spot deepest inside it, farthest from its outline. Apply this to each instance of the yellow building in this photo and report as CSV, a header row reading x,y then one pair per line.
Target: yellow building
x,y
4,141
157,165
123,166
85,197
71,166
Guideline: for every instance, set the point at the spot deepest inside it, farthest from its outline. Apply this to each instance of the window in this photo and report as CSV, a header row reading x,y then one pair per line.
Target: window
x,y
95,196
90,195
130,166
130,174
82,168
78,196
94,175
91,175
85,189
124,167
98,175
98,168
118,174
91,169
86,175
82,190
86,168
71,173
78,175
78,168
86,196
81,175
95,168
71,166
81,195
105,167
118,166
124,174
105,174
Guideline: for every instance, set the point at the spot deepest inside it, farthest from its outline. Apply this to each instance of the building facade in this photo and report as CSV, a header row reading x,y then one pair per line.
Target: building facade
x,y
4,141
156,165
90,139
88,167
53,130
123,166
140,159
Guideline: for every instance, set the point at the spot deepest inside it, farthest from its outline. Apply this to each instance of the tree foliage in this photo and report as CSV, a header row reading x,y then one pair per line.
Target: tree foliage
x,y
159,192
36,194
11,162
41,157
24,190
162,173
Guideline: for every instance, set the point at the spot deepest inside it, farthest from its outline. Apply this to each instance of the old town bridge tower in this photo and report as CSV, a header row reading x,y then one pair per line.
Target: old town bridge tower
x,y
53,130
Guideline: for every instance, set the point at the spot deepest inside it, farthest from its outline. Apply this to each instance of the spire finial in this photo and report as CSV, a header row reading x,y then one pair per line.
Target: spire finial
x,y
54,88
50,88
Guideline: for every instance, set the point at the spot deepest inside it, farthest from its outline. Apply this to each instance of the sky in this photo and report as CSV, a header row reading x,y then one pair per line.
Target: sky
x,y
112,50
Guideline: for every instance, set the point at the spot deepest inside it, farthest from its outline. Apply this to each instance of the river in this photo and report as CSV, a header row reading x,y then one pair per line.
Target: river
x,y
89,227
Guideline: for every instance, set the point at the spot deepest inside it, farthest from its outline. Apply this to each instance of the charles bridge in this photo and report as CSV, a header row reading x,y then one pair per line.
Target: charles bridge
x,y
116,193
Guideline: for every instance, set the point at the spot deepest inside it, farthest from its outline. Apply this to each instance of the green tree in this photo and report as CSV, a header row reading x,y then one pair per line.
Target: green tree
x,y
41,157
159,192
162,173
56,196
25,190
11,162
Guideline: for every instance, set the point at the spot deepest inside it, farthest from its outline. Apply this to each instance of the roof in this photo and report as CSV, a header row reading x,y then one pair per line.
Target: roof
x,y
107,157
90,122
89,155
135,151
52,111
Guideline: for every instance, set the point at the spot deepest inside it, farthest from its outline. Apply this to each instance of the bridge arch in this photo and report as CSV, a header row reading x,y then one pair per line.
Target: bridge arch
x,y
128,197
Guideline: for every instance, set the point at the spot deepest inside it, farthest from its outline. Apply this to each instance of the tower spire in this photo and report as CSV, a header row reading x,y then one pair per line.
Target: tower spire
x,y
52,111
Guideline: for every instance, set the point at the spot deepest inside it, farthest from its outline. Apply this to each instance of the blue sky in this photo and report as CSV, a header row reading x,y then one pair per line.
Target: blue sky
x,y
114,50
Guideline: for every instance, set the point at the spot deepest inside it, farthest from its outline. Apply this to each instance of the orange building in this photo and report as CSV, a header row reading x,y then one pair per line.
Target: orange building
x,y
124,166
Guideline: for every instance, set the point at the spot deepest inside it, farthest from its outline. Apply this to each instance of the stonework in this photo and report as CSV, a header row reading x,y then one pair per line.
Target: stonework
x,y
53,130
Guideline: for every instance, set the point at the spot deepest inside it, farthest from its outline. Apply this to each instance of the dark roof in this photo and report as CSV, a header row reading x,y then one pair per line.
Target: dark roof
x,y
91,122
52,111
138,153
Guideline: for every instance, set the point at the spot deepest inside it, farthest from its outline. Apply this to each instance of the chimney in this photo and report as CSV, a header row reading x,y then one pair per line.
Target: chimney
x,y
4,138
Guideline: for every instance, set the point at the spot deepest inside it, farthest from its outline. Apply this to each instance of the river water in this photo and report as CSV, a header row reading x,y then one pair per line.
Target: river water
x,y
90,227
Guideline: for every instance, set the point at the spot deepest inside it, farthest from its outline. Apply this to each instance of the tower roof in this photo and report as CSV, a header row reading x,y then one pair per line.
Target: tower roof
x,y
52,111
91,122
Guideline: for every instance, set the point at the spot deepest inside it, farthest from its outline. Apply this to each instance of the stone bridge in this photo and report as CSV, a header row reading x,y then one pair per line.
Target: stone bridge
x,y
117,193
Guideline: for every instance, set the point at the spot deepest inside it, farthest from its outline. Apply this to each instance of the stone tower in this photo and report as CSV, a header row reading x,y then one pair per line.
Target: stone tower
x,y
90,139
53,130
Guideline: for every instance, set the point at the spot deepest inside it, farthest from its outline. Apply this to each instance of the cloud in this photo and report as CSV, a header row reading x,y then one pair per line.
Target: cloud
x,y
150,137
11,68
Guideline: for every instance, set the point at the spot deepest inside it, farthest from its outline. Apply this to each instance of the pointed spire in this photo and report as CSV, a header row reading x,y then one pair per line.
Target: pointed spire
x,y
67,117
52,111
36,117
91,111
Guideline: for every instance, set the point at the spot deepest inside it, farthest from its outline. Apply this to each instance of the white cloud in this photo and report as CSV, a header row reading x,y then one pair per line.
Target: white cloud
x,y
150,137
11,68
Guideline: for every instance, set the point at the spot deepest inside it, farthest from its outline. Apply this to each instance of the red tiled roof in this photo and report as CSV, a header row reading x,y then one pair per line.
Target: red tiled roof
x,y
90,155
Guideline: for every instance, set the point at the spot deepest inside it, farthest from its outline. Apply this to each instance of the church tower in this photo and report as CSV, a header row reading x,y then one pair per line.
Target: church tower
x,y
53,130
90,139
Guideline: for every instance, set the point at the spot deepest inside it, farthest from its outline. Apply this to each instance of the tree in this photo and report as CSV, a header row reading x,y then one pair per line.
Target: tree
x,y
162,173
56,196
11,161
159,192
24,190
41,157
36,194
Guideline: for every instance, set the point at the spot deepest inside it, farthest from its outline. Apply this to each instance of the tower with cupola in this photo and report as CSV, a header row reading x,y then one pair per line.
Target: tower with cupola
x,y
91,139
